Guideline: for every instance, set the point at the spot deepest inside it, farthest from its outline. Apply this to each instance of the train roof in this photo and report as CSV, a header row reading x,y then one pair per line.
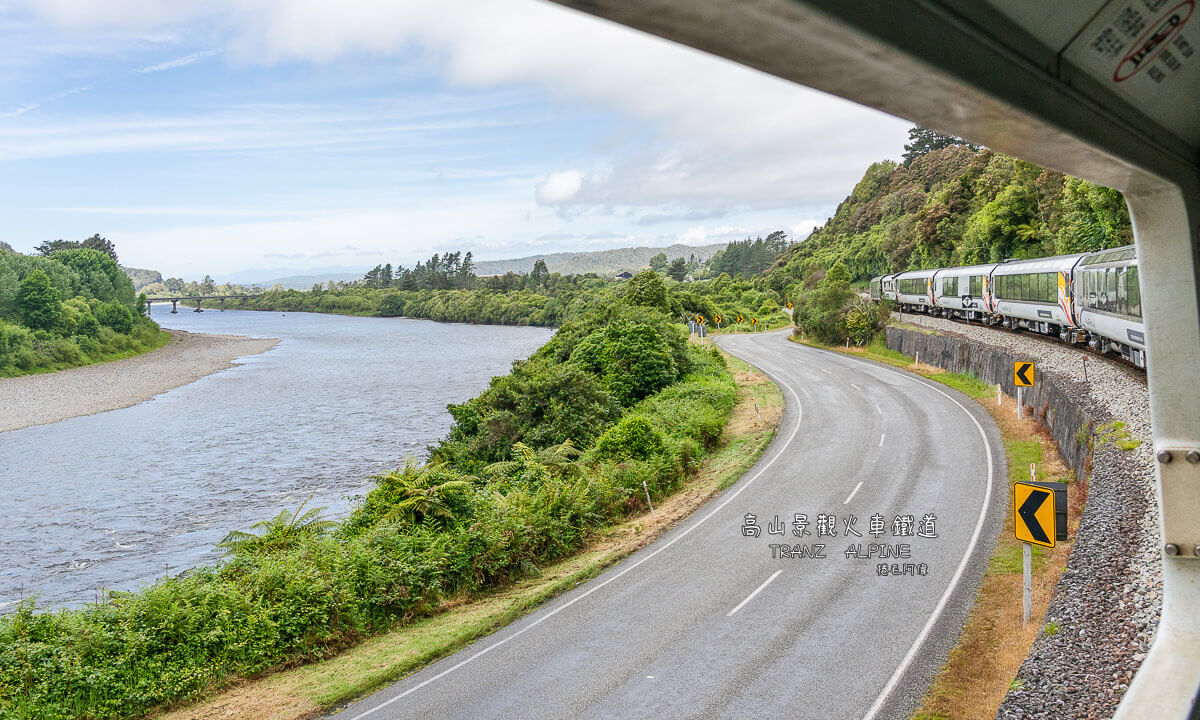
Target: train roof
x,y
917,273
971,269
1128,253
1058,263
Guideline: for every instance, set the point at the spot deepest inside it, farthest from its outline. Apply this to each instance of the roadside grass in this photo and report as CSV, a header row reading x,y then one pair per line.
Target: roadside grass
x,y
994,642
308,690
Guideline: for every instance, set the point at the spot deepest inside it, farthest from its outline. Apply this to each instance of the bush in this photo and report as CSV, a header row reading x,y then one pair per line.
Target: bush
x,y
632,438
115,316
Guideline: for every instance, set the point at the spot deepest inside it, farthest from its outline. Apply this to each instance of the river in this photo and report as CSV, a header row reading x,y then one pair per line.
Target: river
x,y
117,499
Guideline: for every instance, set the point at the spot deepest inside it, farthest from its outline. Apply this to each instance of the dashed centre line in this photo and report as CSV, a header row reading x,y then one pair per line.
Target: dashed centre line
x,y
852,493
751,595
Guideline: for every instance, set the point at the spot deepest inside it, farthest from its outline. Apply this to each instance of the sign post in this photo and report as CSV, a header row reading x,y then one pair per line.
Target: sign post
x,y
1035,522
1023,377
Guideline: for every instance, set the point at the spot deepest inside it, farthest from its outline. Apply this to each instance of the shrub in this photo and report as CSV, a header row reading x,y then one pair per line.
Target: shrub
x,y
115,316
632,438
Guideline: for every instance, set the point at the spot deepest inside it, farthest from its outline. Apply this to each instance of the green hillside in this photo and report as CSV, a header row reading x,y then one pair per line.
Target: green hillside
x,y
958,206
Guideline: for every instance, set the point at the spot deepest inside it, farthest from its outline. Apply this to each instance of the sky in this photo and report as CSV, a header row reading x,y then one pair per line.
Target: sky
x,y
216,136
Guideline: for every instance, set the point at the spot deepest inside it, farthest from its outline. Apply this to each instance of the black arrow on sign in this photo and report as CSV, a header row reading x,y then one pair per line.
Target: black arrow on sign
x,y
1027,513
1021,370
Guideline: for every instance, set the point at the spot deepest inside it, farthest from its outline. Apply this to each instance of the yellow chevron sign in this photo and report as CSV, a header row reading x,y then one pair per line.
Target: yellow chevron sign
x,y
1023,375
1033,514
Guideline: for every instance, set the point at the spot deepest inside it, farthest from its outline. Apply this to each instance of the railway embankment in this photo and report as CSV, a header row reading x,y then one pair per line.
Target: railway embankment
x,y
1106,604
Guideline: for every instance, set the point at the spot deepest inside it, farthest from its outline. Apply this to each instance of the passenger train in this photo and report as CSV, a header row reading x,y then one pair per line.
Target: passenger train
x,y
1091,298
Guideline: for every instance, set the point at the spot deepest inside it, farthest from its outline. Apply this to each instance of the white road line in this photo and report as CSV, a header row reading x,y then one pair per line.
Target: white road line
x,y
855,387
825,371
852,493
551,613
751,595
877,408
962,565
881,437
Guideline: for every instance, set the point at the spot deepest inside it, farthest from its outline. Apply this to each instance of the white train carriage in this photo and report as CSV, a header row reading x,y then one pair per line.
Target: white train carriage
x,y
1108,303
959,292
914,290
883,288
1034,294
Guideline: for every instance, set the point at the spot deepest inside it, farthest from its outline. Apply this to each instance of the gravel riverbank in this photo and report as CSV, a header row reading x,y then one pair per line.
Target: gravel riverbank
x,y
50,397
1106,605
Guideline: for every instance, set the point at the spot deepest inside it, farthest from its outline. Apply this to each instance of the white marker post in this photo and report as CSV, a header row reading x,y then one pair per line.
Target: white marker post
x,y
651,504
1020,402
1027,562
997,396
1027,584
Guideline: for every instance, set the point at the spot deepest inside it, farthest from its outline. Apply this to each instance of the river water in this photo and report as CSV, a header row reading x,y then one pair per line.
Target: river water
x,y
117,499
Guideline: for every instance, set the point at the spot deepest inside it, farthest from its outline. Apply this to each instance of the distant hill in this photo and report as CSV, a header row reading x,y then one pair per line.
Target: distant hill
x,y
141,278
601,262
305,282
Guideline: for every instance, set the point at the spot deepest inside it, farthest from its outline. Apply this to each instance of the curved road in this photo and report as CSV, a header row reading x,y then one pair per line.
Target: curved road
x,y
708,623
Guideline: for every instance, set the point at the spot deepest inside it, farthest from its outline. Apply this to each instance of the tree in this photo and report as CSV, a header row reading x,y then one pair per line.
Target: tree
x,y
385,276
539,274
39,301
922,141
677,270
53,246
96,242
646,288
208,286
174,284
658,263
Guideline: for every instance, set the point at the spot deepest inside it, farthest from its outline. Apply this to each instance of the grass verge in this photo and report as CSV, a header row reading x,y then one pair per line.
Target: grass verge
x,y
305,691
994,642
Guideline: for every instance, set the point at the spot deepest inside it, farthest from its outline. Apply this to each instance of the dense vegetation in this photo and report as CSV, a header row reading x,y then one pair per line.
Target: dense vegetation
x,y
948,204
545,456
69,306
539,298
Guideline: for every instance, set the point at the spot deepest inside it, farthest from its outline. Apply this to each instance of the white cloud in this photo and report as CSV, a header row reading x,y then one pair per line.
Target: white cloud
x,y
726,135
559,188
178,62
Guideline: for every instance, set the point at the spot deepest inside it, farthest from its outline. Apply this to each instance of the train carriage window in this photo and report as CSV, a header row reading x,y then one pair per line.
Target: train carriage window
x,y
1135,292
1110,290
1122,295
976,285
1043,287
950,286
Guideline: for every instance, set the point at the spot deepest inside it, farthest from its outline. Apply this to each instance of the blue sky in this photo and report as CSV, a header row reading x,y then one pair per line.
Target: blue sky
x,y
219,135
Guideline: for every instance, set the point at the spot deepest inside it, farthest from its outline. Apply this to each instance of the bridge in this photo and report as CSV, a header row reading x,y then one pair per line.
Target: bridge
x,y
194,299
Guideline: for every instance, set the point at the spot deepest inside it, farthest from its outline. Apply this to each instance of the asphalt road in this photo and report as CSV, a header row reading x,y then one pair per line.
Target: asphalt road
x,y
709,623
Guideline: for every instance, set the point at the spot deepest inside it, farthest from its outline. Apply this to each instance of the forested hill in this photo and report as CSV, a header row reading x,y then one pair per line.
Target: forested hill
x,y
959,206
601,262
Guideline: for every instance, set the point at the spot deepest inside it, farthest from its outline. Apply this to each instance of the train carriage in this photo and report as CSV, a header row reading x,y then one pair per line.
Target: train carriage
x,y
883,288
1034,294
959,292
1108,303
914,290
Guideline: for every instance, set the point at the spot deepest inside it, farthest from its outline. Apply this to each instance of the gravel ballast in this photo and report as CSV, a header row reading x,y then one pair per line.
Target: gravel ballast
x,y
1106,604
50,397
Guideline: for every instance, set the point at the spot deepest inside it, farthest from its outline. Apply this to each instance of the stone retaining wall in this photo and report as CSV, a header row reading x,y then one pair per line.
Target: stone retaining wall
x,y
1053,403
